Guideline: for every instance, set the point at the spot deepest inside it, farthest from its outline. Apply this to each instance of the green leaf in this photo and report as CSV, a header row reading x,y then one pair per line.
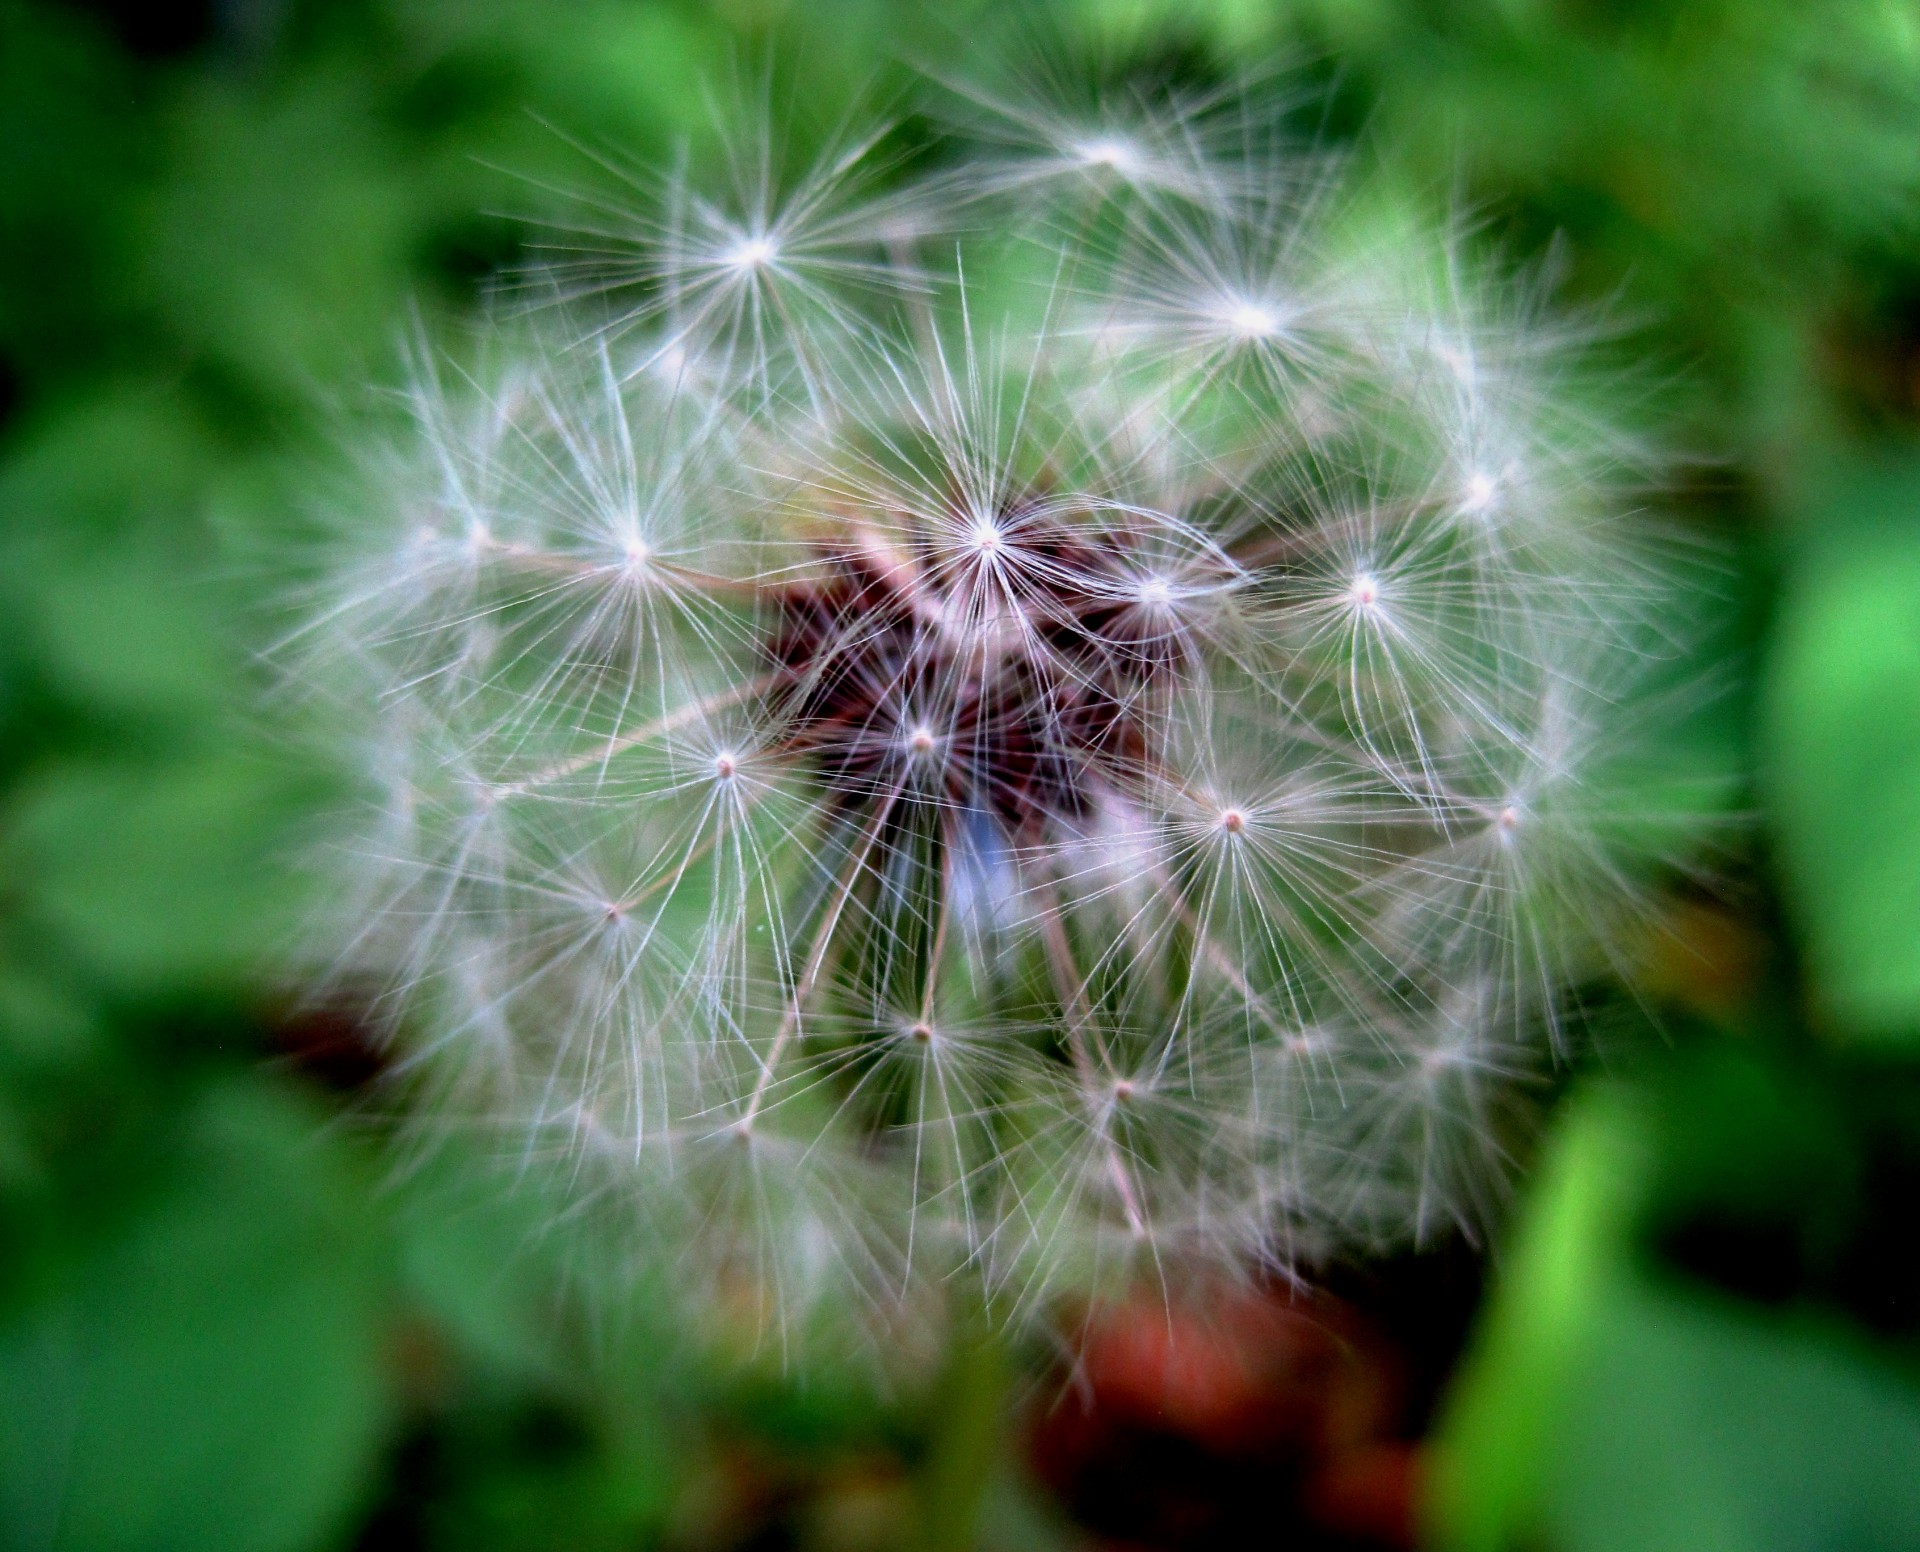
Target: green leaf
x,y
477,1253
1702,1427
206,1377
277,241
1611,1407
1842,741
166,876
1497,1445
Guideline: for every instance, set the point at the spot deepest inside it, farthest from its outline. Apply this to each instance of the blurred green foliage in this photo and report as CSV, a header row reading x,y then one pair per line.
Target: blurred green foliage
x,y
1843,731
228,1321
137,1401
1695,1347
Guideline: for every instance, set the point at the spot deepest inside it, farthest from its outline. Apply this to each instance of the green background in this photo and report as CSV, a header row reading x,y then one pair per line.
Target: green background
x,y
229,1320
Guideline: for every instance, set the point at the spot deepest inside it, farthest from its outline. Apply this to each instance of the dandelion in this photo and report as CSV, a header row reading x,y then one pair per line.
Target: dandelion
x,y
897,775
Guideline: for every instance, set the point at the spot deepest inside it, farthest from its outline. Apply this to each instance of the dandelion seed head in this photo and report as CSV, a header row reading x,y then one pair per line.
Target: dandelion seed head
x,y
799,726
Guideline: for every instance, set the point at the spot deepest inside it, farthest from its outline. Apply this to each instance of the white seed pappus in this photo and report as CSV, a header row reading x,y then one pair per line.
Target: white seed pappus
x,y
1043,723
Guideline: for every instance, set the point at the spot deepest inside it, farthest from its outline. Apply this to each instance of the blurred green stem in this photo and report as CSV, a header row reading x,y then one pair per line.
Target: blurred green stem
x,y
967,1436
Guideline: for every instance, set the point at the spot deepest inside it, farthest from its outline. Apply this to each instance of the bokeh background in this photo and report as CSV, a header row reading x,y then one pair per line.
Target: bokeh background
x,y
231,1322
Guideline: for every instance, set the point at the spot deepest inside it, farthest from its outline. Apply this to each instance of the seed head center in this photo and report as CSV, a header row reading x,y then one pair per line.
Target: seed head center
x,y
1029,700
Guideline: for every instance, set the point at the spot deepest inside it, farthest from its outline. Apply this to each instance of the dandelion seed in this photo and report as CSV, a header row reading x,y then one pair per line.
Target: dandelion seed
x,y
1480,493
751,253
1252,320
1110,153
